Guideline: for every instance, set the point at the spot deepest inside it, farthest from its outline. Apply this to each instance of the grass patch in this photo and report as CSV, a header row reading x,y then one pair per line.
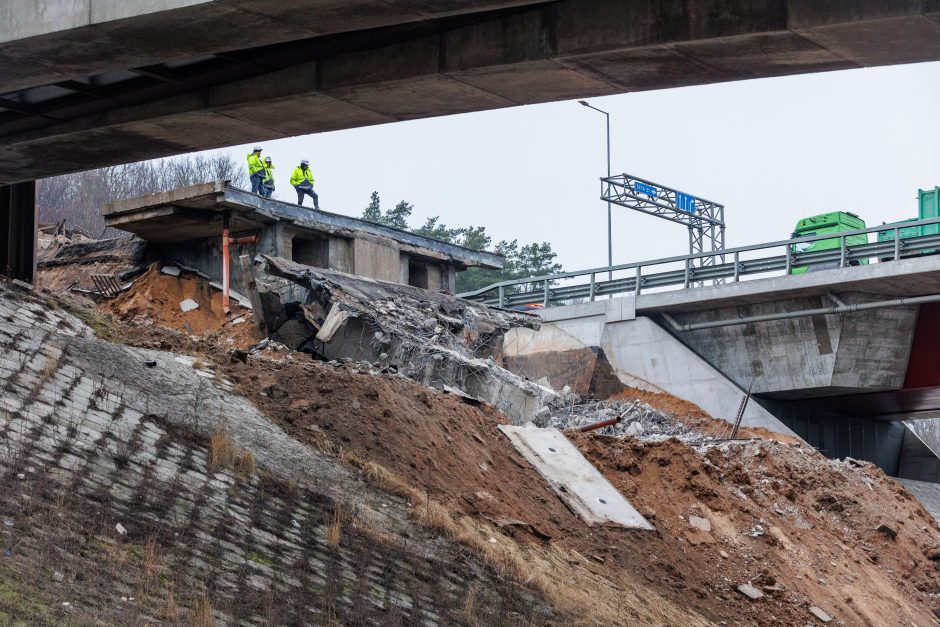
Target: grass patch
x,y
260,559
99,322
19,608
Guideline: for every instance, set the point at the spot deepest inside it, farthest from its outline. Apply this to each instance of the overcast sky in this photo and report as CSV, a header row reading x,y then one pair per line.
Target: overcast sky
x,y
770,150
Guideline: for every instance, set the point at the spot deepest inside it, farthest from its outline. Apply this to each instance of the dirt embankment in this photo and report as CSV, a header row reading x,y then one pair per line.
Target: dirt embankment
x,y
801,528
154,299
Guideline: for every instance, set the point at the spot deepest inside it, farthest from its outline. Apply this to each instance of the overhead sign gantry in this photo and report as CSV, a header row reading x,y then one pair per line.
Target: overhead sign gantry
x,y
705,219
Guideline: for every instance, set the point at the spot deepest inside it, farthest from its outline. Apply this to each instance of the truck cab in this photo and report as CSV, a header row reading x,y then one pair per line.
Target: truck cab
x,y
824,224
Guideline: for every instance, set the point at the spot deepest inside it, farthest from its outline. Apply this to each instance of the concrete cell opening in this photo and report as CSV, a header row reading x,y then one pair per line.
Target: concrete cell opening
x,y
418,274
311,251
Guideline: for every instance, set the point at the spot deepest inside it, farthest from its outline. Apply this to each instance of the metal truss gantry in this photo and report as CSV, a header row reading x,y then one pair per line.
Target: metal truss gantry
x,y
705,219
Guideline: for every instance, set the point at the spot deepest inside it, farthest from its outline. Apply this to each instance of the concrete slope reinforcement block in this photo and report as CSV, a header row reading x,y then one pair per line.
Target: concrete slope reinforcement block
x,y
576,481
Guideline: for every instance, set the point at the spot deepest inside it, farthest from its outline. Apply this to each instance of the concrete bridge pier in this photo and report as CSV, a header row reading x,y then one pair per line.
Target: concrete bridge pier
x,y
18,235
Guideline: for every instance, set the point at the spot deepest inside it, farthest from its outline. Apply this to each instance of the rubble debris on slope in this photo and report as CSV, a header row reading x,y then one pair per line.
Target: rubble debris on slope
x,y
67,264
167,299
801,528
138,486
434,338
638,419
454,452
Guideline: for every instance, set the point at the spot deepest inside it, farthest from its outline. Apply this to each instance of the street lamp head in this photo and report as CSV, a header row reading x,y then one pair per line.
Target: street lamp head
x,y
584,102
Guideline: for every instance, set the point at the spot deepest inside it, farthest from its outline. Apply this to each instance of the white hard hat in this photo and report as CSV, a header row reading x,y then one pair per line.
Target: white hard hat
x,y
304,162
267,158
256,149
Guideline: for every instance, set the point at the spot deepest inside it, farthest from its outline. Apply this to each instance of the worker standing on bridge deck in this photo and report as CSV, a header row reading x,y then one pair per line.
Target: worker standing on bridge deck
x,y
302,180
255,170
267,185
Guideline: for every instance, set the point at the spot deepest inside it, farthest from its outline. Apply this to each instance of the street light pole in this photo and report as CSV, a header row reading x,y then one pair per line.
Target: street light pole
x,y
610,241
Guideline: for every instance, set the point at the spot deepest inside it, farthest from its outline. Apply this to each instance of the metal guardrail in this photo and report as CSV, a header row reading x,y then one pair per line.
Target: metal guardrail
x,y
539,290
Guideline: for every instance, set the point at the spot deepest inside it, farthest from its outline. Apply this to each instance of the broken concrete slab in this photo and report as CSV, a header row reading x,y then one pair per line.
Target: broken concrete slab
x,y
574,479
334,320
886,529
171,270
702,524
750,591
434,338
188,305
820,614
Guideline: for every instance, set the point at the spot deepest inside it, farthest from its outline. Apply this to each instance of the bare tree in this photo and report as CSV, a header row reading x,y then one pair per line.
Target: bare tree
x,y
78,197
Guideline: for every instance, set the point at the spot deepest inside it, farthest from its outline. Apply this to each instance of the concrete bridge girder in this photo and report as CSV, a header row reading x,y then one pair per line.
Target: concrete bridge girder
x,y
416,61
811,356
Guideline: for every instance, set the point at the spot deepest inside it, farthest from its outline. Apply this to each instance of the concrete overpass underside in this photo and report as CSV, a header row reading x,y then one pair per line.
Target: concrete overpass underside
x,y
88,83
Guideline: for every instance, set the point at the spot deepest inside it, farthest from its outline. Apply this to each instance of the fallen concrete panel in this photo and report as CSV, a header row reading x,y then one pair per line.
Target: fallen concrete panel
x,y
576,481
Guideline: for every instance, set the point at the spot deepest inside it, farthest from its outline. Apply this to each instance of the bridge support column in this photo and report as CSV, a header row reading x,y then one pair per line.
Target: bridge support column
x,y
18,234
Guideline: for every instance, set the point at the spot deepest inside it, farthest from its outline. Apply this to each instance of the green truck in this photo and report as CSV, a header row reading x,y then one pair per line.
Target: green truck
x,y
928,206
824,224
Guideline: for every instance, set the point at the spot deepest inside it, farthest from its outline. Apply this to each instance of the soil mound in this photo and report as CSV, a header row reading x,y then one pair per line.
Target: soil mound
x,y
155,298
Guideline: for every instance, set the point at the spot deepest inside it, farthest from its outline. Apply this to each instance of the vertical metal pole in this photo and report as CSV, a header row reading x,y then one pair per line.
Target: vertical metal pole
x,y
687,272
592,286
897,243
545,298
639,279
789,260
226,215
737,266
502,296
610,237
842,251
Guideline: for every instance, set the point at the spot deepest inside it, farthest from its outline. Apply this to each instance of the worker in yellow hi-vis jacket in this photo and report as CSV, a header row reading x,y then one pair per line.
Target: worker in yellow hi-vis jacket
x,y
255,169
267,185
302,180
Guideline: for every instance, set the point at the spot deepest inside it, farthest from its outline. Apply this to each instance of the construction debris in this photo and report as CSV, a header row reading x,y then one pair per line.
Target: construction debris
x,y
889,531
188,305
430,337
750,591
820,614
620,418
573,478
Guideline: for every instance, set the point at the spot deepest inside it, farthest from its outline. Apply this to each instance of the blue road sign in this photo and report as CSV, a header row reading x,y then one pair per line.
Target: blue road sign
x,y
685,202
643,188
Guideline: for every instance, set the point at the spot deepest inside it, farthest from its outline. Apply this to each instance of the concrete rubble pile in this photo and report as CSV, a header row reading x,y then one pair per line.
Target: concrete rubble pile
x,y
433,338
639,420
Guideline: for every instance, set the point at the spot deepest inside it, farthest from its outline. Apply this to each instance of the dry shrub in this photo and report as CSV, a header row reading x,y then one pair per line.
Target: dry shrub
x,y
246,465
202,614
387,480
224,453
470,605
334,530
170,611
435,516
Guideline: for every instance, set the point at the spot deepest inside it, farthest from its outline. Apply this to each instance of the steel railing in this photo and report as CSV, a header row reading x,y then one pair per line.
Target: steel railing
x,y
727,265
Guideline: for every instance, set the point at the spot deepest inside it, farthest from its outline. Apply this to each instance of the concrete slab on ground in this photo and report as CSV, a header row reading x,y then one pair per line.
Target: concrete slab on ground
x,y
576,481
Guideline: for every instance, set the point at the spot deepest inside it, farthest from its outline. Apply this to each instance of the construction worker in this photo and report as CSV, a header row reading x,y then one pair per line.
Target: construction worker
x,y
267,185
255,169
302,180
